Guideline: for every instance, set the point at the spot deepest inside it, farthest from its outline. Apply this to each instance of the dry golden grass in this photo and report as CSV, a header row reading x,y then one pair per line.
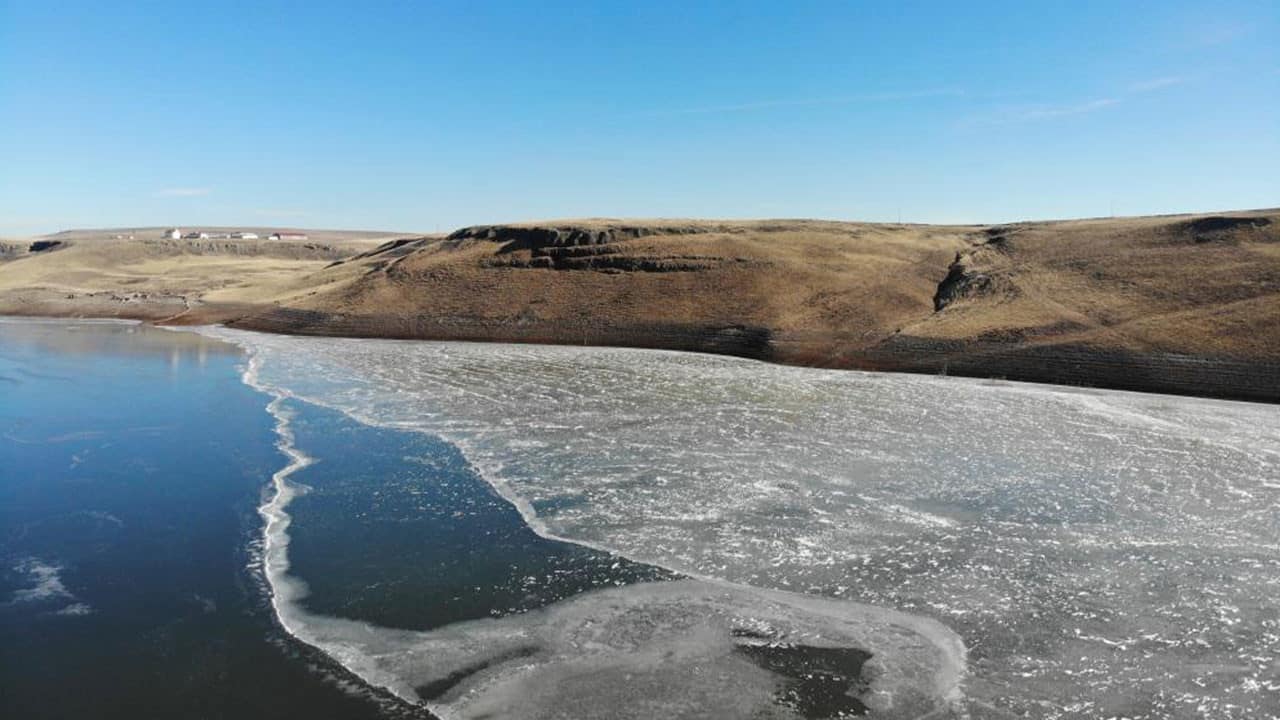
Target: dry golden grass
x,y
789,276
1140,283
1186,284
827,293
91,273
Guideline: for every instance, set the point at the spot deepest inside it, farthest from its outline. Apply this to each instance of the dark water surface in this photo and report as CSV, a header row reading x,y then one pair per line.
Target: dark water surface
x,y
396,529
132,462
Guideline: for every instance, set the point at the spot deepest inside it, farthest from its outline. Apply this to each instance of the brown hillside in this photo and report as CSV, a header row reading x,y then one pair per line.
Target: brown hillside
x,y
95,273
1178,304
1184,304
678,284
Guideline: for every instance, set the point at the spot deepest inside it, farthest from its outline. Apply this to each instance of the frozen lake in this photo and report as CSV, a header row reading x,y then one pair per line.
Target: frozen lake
x,y
1099,553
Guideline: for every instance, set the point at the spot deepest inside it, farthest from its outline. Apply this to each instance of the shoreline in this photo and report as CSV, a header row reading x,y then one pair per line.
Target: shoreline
x,y
286,590
964,410
207,609
1066,365
1113,421
1182,304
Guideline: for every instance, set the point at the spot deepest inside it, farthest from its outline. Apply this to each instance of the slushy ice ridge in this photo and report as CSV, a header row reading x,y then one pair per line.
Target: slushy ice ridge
x,y
1099,553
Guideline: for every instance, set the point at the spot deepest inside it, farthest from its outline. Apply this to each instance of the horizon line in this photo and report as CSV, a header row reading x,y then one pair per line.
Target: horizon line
x,y
650,219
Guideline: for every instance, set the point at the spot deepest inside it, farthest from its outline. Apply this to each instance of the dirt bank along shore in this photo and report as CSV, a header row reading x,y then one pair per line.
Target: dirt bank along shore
x,y
1181,304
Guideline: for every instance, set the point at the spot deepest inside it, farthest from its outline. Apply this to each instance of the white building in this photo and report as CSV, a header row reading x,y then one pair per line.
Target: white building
x,y
287,235
172,234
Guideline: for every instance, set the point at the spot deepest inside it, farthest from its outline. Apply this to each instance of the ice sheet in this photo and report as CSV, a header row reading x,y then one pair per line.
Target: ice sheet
x,y
1099,552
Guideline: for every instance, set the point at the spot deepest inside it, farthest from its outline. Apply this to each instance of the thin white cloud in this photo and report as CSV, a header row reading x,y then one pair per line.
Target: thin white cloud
x,y
1156,84
810,102
1056,111
1049,112
182,192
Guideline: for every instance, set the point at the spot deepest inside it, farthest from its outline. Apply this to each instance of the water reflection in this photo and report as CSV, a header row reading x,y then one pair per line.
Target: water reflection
x,y
109,337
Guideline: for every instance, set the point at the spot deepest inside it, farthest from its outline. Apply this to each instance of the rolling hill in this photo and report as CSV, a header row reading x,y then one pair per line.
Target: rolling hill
x,y
1186,304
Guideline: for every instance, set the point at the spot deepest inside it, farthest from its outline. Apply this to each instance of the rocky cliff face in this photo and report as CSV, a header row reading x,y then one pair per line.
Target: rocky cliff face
x,y
980,271
1219,228
44,245
533,237
962,281
593,248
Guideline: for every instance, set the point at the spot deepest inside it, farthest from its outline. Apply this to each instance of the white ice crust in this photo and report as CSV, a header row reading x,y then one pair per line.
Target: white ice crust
x,y
1090,547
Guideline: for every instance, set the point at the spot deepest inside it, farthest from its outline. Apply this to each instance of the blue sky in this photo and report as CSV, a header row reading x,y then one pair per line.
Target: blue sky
x,y
431,115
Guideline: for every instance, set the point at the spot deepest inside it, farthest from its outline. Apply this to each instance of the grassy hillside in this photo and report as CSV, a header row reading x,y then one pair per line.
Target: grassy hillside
x,y
1179,303
1183,304
93,273
1167,284
606,281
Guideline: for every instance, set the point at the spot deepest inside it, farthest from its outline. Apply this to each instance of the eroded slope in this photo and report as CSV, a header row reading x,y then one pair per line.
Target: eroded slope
x,y
1177,303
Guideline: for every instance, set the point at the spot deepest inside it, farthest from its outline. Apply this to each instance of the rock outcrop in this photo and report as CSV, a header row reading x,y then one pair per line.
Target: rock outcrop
x,y
533,237
1218,228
